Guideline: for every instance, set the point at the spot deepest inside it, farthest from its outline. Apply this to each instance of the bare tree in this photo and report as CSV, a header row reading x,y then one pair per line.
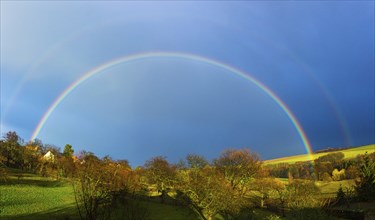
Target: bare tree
x,y
206,192
238,167
95,184
160,173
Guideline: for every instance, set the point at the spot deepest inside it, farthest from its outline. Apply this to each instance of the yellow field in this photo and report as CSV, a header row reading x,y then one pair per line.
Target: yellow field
x,y
349,153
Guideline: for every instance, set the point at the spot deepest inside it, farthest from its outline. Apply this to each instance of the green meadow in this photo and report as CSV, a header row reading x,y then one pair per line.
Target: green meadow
x,y
28,196
348,153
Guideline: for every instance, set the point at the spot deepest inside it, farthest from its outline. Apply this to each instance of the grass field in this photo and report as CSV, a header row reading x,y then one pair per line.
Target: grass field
x,y
349,153
28,196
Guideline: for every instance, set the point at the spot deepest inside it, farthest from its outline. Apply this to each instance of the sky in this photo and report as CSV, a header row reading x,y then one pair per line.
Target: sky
x,y
196,77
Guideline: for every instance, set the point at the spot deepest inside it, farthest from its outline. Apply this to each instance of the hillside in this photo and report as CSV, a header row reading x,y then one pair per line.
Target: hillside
x,y
349,153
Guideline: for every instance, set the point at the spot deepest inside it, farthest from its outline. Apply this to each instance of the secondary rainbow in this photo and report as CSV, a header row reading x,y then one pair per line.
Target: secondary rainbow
x,y
151,55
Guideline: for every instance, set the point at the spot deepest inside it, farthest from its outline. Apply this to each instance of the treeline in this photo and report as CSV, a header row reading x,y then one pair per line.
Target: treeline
x,y
330,149
330,167
230,185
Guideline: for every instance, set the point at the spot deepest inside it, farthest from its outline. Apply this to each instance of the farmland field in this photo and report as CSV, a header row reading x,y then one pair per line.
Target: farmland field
x,y
348,153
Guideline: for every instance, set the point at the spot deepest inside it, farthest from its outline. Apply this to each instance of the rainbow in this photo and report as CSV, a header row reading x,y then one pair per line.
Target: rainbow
x,y
135,57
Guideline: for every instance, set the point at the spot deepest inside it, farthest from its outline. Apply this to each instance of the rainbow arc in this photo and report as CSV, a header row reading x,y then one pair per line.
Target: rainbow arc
x,y
144,56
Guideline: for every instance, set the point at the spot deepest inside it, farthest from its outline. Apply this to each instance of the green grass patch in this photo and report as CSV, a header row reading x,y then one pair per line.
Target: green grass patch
x,y
368,207
31,194
333,186
28,196
167,212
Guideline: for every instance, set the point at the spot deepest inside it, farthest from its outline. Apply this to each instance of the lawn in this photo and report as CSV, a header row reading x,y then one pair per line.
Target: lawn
x,y
28,196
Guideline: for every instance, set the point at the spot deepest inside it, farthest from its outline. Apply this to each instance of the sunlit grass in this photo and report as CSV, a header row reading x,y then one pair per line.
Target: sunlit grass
x,y
28,196
25,194
348,154
333,186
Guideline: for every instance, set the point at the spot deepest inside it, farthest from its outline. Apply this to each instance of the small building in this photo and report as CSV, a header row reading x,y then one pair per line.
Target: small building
x,y
49,156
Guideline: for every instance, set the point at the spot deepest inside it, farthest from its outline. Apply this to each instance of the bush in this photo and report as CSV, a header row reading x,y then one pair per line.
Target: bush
x,y
352,172
331,157
366,185
273,217
338,175
326,177
345,197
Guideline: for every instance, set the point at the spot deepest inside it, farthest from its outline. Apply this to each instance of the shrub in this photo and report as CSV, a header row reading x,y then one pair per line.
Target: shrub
x,y
366,185
326,177
338,175
331,157
340,196
273,217
352,172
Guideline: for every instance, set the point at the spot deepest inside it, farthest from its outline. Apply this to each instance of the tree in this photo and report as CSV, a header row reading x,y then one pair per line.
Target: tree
x,y
30,157
196,161
3,170
68,151
302,194
304,201
300,170
322,167
136,183
331,157
206,191
352,172
238,167
279,170
66,163
281,195
96,183
160,173
264,187
11,150
88,187
366,185
299,195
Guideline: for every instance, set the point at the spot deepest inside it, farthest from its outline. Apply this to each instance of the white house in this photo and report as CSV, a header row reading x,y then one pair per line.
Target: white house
x,y
49,156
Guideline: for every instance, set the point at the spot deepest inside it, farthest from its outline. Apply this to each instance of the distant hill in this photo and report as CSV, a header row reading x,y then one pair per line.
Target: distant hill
x,y
348,152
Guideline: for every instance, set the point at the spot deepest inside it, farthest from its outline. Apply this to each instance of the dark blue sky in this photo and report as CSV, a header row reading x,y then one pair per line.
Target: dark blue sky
x,y
316,56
